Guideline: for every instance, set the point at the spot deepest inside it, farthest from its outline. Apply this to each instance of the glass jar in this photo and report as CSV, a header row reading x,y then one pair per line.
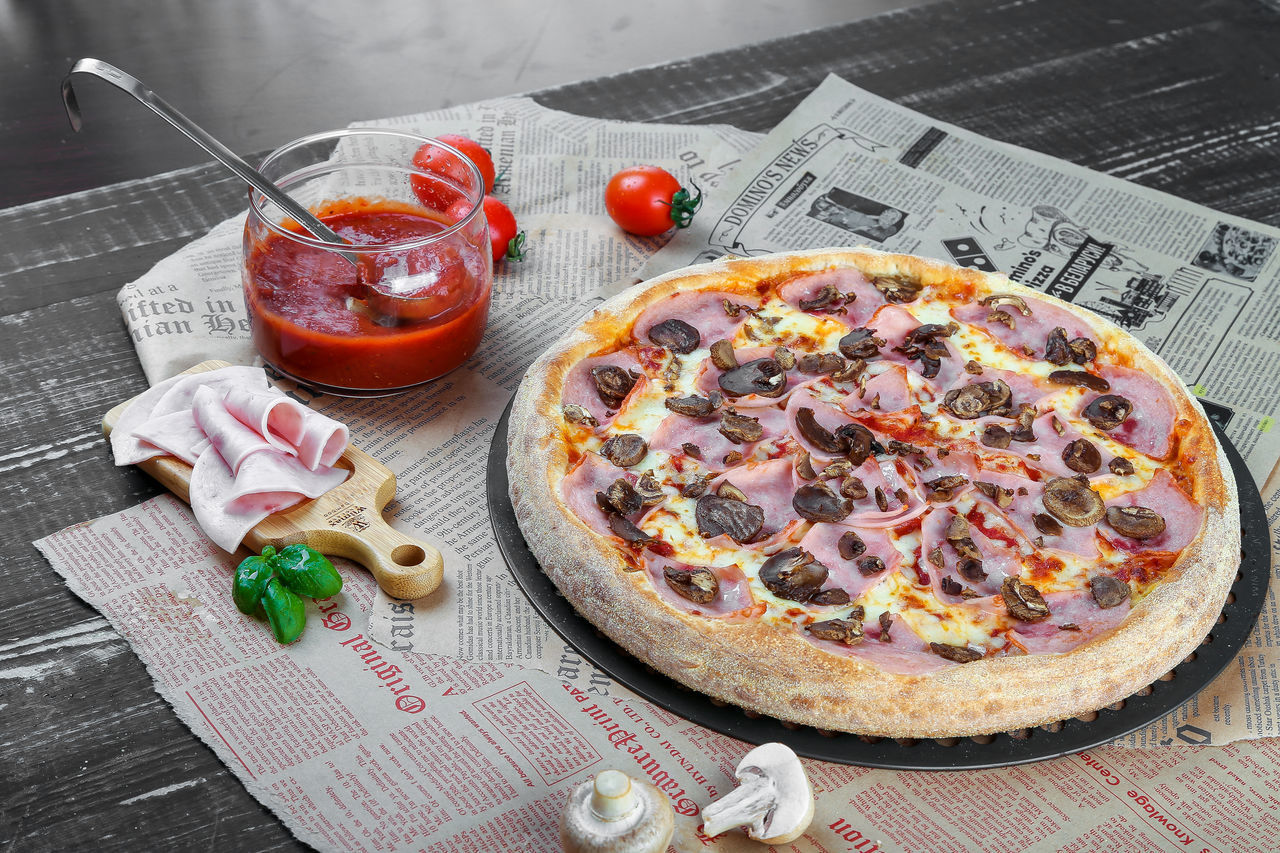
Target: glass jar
x,y
406,299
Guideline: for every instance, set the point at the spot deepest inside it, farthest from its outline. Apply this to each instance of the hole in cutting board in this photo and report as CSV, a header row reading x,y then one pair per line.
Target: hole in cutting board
x,y
408,555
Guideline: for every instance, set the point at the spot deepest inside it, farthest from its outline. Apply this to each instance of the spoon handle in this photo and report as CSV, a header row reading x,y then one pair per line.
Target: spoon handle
x,y
133,86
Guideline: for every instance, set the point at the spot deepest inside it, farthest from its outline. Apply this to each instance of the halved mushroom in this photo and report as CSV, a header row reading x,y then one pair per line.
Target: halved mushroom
x,y
722,355
1136,522
871,565
833,597
620,497
731,492
575,414
815,433
1023,601
857,441
613,384
1056,350
853,488
692,406
625,450
957,654
804,466
649,490
860,343
944,488
1083,378
1073,502
977,399
1120,466
817,502
763,376
676,335
1108,411
793,574
740,429
773,799
699,585
836,470
850,545
785,357
971,569
1081,455
740,521
627,531
826,298
897,288
1083,350
1108,591
1046,524
996,436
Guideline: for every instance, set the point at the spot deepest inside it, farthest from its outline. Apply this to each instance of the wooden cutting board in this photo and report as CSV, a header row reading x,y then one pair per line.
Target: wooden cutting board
x,y
345,521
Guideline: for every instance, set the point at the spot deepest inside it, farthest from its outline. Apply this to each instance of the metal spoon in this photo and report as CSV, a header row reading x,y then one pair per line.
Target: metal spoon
x,y
198,135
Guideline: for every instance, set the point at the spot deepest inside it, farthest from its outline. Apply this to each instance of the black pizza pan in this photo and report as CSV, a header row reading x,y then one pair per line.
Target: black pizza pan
x,y
1076,734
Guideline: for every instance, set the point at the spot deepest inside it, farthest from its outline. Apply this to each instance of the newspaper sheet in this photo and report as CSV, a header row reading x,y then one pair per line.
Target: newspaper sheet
x,y
478,624
1199,287
370,748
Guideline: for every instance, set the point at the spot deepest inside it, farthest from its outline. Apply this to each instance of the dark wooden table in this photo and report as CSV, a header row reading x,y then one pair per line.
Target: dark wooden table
x,y
1181,95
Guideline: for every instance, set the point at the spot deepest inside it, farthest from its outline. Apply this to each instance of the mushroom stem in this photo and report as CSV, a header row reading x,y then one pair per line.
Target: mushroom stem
x,y
748,804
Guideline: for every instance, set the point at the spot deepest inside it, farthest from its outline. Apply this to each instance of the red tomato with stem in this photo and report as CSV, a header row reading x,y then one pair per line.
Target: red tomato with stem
x,y
648,200
507,242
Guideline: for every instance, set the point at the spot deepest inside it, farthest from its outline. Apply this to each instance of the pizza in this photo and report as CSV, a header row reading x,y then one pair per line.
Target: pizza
x,y
875,493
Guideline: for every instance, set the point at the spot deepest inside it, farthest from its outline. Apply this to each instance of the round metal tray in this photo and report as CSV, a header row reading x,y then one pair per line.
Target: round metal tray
x,y
999,750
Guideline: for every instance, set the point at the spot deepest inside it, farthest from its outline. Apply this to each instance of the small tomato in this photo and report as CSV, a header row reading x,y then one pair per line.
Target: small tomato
x,y
502,231
648,200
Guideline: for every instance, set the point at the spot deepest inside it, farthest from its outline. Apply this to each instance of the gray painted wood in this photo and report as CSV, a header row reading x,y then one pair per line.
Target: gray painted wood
x,y
1182,95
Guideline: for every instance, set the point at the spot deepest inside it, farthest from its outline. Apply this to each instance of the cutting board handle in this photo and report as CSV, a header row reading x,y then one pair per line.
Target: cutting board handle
x,y
404,567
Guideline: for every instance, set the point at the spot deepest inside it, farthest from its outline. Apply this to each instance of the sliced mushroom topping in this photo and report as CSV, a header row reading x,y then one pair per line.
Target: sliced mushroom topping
x,y
897,289
861,343
853,372
578,415
943,488
853,488
722,355
1082,378
827,298
973,367
699,585
971,570
692,449
613,384
837,469
763,376
733,457
996,436
823,363
740,429
622,497
977,399
1073,502
858,441
957,528
872,565
676,335
1081,455
731,492
671,373
936,557
650,492
1018,303
716,515
847,631
886,622
692,406
951,586
1083,350
1023,601
850,545
958,654
696,487
1003,497
1046,524
1108,411
793,574
804,466
1025,431
785,357
817,502
1136,522
815,433
625,450
1004,318
882,502
924,344
1108,591
1120,466
903,448
628,532
830,597
733,309
1056,350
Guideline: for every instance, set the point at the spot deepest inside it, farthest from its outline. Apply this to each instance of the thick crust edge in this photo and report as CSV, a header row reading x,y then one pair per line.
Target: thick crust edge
x,y
761,669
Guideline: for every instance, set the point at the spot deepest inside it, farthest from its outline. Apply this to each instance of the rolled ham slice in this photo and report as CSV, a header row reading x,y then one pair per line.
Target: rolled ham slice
x,y
1182,518
232,439
856,313
704,311
181,396
317,440
733,596
1031,332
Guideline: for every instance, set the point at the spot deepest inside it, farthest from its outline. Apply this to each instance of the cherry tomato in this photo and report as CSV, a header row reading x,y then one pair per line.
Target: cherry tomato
x,y
648,200
507,243
430,158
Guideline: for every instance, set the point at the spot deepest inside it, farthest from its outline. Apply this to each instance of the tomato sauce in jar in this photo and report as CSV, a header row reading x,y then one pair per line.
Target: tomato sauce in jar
x,y
408,312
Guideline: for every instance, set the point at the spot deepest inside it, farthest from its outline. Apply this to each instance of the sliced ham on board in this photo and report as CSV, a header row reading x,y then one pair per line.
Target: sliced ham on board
x,y
704,311
176,434
126,446
809,286
1029,331
289,426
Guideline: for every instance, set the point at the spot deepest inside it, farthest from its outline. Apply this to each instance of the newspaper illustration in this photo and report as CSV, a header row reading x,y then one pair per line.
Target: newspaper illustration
x,y
1201,288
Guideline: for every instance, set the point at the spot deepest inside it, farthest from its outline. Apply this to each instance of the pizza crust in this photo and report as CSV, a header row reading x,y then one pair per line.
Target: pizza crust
x,y
763,669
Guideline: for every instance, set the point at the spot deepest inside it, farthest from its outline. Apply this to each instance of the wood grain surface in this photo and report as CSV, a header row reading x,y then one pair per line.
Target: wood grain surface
x,y
1181,95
